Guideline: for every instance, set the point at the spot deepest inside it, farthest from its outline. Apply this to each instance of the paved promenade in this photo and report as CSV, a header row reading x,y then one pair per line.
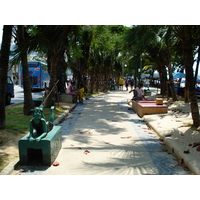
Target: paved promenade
x,y
104,137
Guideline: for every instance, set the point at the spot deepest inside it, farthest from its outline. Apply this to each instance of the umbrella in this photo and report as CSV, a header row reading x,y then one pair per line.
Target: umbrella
x,y
178,75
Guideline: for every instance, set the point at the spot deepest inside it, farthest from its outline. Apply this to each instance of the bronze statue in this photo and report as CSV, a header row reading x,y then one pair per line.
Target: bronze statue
x,y
39,127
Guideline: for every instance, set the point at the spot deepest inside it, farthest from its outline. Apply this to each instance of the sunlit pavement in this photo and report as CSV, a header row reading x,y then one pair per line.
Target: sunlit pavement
x,y
104,137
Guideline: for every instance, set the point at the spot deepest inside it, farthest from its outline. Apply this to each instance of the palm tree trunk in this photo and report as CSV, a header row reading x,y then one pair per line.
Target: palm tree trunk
x,y
163,79
171,82
28,101
4,60
188,61
61,73
53,75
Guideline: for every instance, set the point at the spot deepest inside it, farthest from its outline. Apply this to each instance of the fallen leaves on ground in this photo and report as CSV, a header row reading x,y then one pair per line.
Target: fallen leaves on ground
x,y
86,152
81,132
126,137
182,165
198,148
195,144
56,163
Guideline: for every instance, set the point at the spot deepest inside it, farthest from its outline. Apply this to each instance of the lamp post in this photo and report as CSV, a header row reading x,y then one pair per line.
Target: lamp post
x,y
124,69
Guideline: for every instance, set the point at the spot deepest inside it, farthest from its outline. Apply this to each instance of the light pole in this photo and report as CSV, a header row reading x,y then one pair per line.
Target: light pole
x,y
124,69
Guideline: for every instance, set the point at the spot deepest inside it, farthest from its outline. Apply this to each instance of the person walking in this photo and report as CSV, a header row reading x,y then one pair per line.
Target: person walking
x,y
131,82
121,83
126,83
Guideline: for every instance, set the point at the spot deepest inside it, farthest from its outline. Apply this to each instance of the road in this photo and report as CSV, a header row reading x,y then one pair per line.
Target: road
x,y
19,95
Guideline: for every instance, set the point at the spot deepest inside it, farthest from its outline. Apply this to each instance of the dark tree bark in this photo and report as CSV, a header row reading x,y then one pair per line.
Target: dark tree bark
x,y
28,101
4,60
188,62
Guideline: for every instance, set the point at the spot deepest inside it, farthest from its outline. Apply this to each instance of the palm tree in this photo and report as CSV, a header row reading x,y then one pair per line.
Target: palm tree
x,y
189,36
154,41
51,40
4,60
23,41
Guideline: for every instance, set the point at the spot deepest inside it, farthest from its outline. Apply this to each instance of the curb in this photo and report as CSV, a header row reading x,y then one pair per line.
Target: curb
x,y
63,115
10,167
189,161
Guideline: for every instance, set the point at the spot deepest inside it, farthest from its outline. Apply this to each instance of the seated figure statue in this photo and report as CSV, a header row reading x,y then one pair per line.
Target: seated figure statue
x,y
37,125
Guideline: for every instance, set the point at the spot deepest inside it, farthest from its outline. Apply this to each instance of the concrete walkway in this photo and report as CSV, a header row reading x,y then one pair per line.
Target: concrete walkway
x,y
104,137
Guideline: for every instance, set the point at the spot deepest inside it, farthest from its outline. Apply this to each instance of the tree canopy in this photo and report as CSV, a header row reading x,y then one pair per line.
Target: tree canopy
x,y
105,52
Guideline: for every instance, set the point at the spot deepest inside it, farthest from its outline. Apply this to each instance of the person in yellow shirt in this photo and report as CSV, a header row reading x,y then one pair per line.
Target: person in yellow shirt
x,y
81,93
121,83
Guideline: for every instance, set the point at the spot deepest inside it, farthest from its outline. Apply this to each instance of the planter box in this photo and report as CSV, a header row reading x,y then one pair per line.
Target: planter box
x,y
66,98
148,107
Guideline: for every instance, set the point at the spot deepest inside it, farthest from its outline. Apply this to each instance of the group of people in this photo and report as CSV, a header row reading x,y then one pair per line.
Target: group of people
x,y
78,93
127,82
138,92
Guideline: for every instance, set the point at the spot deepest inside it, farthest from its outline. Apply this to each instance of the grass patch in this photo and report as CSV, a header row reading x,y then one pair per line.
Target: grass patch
x,y
17,122
187,124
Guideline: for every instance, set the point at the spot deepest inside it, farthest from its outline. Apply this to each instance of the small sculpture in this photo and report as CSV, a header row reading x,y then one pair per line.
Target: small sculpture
x,y
39,127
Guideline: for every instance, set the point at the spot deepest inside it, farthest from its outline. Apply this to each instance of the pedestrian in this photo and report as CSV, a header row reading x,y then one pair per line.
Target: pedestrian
x,y
121,83
138,92
126,83
81,93
131,82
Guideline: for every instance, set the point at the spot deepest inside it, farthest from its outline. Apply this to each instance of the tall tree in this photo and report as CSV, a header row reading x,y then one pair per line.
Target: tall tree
x,y
4,60
23,43
189,35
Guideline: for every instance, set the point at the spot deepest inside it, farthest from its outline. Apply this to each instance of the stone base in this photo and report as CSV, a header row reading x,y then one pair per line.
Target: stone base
x,y
67,98
47,148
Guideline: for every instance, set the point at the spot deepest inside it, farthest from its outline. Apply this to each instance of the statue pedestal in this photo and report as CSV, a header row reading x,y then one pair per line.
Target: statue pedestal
x,y
47,148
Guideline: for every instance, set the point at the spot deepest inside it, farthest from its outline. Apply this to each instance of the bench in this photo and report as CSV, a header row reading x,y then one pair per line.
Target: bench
x,y
148,108
46,150
68,98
